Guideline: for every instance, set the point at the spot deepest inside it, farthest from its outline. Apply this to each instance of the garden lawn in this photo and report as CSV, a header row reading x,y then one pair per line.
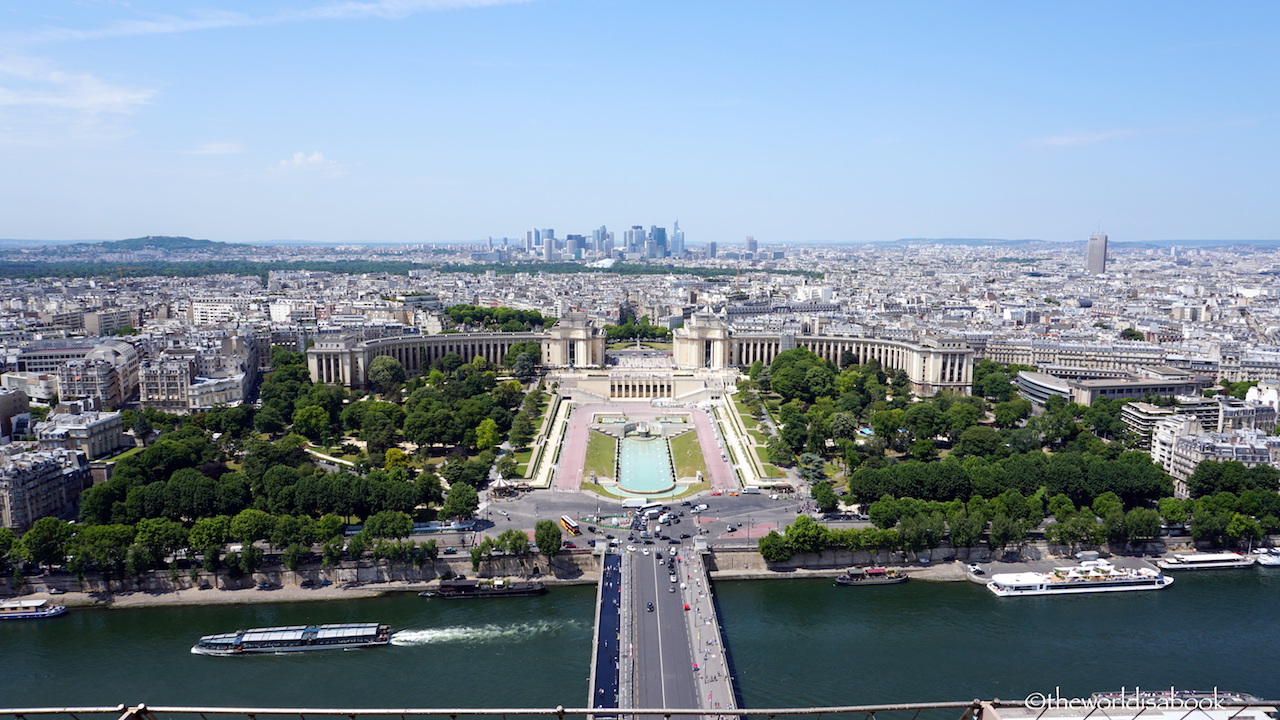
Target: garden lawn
x,y
686,454
602,452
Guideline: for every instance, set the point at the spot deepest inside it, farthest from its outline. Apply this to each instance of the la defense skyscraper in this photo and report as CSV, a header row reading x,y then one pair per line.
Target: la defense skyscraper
x,y
1097,258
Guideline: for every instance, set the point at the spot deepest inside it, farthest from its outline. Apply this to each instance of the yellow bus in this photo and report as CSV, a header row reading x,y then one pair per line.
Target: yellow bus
x,y
570,525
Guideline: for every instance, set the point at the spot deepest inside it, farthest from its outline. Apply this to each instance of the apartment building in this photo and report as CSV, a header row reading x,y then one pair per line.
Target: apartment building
x,y
92,432
40,483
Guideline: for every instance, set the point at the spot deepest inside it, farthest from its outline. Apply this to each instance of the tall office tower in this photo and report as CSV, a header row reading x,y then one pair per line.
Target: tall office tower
x,y
633,239
677,239
528,241
751,245
548,247
659,237
1097,260
711,250
599,237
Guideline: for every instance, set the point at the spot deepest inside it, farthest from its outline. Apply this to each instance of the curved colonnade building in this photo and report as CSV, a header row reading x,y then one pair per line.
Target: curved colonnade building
x,y
705,342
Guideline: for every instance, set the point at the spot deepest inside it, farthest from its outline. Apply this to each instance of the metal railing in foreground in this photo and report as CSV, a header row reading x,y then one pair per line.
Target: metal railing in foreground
x,y
960,710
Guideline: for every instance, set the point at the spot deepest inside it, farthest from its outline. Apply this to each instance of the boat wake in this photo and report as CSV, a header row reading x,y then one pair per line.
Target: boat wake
x,y
478,634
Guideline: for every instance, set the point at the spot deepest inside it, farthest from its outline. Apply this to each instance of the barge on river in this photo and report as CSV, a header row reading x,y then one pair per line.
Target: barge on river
x,y
455,589
872,576
1205,561
29,609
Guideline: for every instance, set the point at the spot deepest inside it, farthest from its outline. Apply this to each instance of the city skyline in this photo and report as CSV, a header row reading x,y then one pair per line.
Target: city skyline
x,y
451,121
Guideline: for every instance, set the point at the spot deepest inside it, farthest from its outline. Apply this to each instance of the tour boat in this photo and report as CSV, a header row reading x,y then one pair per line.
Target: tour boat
x,y
294,638
1091,576
1270,559
1205,561
29,609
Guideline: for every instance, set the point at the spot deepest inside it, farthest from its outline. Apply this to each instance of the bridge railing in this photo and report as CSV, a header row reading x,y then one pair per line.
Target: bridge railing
x,y
957,710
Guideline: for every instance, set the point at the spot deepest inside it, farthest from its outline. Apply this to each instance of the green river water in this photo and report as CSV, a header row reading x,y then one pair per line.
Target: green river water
x,y
793,643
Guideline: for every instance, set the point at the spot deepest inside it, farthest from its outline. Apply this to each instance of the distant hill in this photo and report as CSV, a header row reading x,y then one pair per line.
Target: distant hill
x,y
163,242
996,242
971,242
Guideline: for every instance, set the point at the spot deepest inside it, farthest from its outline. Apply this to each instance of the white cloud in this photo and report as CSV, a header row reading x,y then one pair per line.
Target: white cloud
x,y
1078,139
218,147
311,163
32,82
220,19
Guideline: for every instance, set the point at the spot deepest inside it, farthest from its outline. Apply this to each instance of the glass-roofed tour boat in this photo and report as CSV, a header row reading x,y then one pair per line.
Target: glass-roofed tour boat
x,y
294,638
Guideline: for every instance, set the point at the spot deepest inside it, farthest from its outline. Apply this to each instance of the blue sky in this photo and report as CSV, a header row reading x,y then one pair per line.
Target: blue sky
x,y
803,121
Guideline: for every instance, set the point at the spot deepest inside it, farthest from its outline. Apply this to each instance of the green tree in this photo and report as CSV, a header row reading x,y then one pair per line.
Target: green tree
x,y
160,537
774,547
378,432
268,420
487,434
1243,528
1006,531
397,458
250,559
1173,510
965,529
825,497
386,373
389,524
521,431
807,536
1142,524
923,449
462,501
141,427
357,545
514,541
779,453
1107,503
506,467
546,535
979,440
209,534
525,367
45,543
293,557
7,542
313,422
250,525
105,546
1011,412
328,527
958,418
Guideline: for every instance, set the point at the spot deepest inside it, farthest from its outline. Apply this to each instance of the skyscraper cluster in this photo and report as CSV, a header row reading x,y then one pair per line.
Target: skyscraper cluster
x,y
637,242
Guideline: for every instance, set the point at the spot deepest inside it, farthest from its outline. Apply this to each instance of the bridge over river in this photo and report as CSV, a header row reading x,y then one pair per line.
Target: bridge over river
x,y
658,638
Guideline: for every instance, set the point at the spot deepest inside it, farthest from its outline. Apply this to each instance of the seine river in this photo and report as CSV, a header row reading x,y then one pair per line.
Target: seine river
x,y
794,643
